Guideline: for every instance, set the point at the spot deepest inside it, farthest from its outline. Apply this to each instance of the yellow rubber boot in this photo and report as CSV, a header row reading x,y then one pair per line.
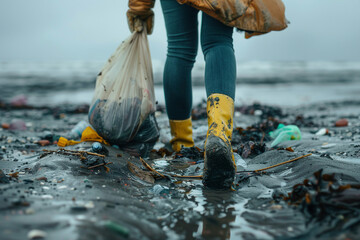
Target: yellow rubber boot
x,y
219,164
181,131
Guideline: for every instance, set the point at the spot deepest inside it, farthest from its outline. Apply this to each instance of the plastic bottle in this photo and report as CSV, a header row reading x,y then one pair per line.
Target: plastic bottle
x,y
76,132
285,133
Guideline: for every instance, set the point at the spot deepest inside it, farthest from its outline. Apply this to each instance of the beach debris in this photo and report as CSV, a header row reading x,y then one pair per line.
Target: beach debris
x,y
92,160
322,132
5,125
193,153
143,175
14,175
117,228
43,142
18,101
99,148
163,152
77,130
256,133
323,198
251,149
342,123
17,124
36,234
285,133
3,177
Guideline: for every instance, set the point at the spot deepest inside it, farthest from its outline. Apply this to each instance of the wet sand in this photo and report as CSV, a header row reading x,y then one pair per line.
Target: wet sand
x,y
59,195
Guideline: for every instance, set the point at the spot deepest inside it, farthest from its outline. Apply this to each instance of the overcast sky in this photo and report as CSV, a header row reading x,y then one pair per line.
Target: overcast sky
x,y
61,30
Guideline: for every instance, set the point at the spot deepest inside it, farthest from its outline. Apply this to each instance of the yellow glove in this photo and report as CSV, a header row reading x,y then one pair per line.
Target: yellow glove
x,y
140,14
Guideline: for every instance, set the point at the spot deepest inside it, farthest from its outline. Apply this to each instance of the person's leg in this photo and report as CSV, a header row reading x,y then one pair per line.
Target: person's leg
x,y
182,33
220,77
217,46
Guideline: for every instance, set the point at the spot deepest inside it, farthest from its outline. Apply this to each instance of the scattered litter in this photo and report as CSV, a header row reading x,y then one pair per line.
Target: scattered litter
x,y
251,149
322,132
285,133
342,123
143,175
14,175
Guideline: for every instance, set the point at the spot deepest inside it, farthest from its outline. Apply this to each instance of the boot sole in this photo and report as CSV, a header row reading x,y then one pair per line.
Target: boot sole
x,y
219,169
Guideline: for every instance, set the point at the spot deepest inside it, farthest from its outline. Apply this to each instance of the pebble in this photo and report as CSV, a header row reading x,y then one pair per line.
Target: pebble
x,y
342,123
36,234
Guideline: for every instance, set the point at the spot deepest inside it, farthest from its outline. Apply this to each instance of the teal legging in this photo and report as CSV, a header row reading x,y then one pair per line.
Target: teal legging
x,y
217,45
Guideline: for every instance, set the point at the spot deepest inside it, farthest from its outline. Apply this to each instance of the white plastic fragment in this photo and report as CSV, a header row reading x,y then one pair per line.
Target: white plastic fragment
x,y
322,131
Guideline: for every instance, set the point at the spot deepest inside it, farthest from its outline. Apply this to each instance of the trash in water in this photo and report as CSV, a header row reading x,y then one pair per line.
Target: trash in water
x,y
285,133
322,132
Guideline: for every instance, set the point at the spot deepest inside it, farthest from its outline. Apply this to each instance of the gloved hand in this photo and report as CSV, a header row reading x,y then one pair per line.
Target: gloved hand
x,y
140,14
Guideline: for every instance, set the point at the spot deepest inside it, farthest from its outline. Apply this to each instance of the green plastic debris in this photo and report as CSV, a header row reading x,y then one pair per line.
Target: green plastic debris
x,y
285,133
115,227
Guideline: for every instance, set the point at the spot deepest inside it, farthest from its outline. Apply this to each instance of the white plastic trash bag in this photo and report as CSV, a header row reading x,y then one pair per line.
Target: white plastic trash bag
x,y
124,93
